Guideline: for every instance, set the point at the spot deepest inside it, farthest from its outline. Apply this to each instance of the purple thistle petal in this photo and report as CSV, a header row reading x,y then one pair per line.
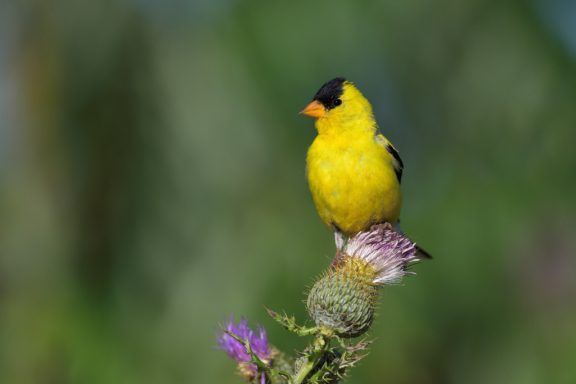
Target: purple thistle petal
x,y
388,251
236,350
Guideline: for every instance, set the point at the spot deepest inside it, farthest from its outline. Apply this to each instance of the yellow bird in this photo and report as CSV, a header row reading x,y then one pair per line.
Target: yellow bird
x,y
354,172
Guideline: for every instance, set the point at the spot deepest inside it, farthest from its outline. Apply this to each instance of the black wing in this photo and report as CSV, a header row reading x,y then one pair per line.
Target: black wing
x,y
398,164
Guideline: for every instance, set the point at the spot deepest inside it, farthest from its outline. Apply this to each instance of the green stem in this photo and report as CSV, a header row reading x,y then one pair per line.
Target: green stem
x,y
319,347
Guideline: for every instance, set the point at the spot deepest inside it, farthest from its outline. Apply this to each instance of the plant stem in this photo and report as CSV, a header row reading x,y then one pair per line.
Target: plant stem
x,y
319,346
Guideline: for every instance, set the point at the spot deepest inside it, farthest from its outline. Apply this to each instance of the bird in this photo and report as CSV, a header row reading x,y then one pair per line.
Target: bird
x,y
354,172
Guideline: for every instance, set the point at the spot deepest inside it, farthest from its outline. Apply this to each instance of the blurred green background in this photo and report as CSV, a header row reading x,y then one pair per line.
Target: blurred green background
x,y
152,183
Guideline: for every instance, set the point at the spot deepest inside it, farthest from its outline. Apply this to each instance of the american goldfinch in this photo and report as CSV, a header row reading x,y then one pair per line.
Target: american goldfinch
x,y
353,171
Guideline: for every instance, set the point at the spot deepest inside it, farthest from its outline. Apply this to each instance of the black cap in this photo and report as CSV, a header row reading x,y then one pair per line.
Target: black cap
x,y
329,94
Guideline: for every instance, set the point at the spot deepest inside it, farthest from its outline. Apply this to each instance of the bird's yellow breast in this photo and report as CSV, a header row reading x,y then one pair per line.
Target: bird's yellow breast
x,y
352,181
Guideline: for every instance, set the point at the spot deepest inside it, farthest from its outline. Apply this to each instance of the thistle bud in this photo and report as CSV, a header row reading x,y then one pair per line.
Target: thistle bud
x,y
343,300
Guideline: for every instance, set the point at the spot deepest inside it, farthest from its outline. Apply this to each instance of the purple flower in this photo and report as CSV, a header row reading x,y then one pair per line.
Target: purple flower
x,y
388,251
258,342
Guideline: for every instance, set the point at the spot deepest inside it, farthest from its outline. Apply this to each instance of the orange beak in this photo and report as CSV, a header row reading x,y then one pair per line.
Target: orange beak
x,y
314,109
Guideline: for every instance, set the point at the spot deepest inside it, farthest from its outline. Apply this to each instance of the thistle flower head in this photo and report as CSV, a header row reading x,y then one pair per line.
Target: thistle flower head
x,y
344,299
258,341
386,250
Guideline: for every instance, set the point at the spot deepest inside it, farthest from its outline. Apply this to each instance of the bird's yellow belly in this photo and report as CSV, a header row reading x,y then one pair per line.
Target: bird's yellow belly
x,y
353,188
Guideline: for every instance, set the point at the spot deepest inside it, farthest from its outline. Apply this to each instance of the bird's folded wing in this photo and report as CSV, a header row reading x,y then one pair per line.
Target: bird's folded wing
x,y
396,160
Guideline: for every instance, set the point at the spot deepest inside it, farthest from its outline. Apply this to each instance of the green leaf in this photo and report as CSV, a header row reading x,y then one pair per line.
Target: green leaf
x,y
289,323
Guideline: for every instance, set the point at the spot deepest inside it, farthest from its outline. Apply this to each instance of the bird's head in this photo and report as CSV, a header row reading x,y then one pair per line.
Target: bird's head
x,y
338,105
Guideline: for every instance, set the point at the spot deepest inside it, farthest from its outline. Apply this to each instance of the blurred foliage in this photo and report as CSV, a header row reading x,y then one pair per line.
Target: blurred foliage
x,y
152,183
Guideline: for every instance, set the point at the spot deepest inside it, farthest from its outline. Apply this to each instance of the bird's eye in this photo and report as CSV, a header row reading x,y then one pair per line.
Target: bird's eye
x,y
337,102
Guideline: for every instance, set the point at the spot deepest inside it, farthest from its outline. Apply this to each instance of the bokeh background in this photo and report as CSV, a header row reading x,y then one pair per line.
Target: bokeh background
x,y
152,183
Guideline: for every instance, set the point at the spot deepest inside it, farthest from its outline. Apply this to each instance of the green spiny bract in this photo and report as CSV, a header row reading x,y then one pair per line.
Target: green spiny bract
x,y
334,363
326,371
280,362
343,300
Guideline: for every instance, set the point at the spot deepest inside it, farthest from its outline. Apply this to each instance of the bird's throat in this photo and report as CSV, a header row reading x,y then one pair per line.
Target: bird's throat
x,y
336,125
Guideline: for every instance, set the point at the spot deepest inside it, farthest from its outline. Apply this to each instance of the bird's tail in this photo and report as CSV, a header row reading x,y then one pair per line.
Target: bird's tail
x,y
420,252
